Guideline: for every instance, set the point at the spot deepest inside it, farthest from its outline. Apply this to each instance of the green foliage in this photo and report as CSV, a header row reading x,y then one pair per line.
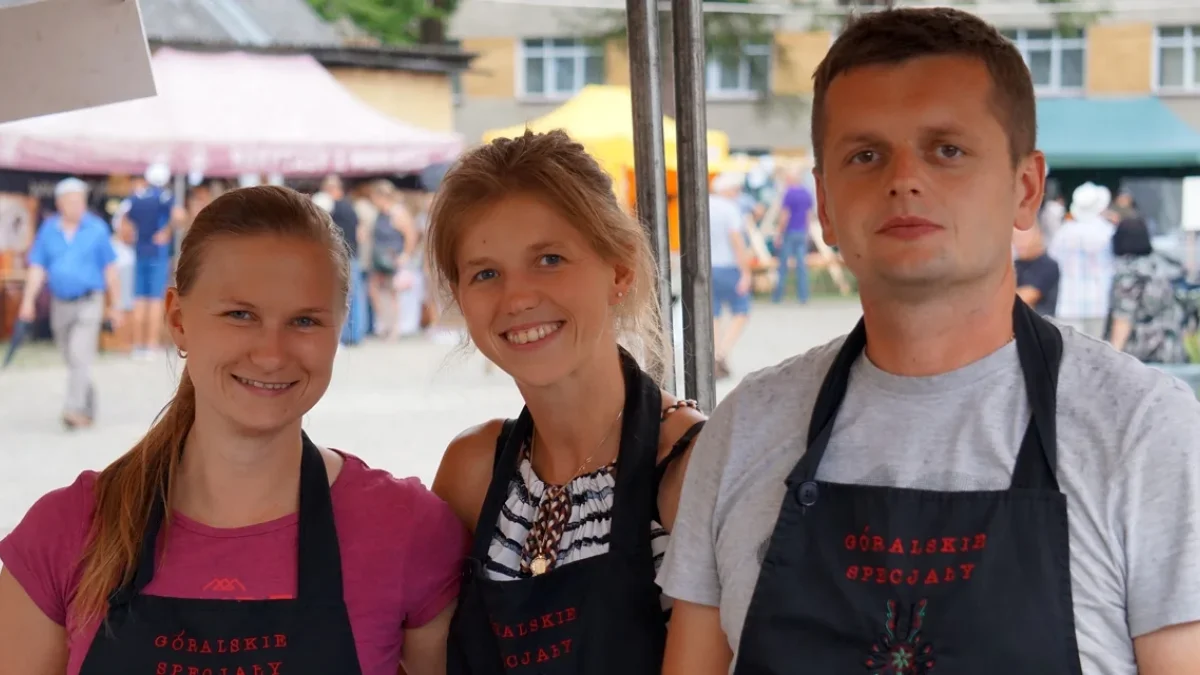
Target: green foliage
x,y
393,22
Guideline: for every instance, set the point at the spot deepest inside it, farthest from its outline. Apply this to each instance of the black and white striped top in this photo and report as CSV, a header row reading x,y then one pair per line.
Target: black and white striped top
x,y
586,533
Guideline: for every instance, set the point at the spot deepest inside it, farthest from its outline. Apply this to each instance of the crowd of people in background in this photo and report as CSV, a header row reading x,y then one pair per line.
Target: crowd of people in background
x,y
1094,266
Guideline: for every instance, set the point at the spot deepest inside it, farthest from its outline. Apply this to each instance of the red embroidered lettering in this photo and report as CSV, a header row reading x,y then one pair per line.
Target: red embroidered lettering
x,y
881,575
162,669
275,666
897,547
258,670
949,575
241,671
850,542
966,570
251,644
566,645
896,576
931,578
570,614
542,655
948,545
868,573
176,669
548,621
508,632
235,646
511,662
877,544
220,646
522,630
192,670
161,642
931,546
280,641
913,578
554,651
980,542
852,572
916,547
205,648
965,544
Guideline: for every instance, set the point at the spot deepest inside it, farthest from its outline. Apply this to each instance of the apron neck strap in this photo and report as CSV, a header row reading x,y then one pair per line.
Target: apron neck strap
x,y
319,563
1040,349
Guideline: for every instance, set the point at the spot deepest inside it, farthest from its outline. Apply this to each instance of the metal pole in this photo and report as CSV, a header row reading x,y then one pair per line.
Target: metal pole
x,y
650,168
694,246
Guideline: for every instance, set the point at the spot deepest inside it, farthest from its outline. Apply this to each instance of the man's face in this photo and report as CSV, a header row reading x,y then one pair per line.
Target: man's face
x,y
917,188
71,206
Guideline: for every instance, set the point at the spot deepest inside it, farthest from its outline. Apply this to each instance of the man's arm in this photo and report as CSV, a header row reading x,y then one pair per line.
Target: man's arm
x,y
696,643
1158,507
35,276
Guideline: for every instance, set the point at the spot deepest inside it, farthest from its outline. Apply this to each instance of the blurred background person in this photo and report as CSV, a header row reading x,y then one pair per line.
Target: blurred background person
x,y
731,273
393,241
73,255
1083,250
1037,273
149,212
1148,317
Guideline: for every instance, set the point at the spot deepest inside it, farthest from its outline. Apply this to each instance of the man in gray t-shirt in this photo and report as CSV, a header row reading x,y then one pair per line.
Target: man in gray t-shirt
x,y
925,162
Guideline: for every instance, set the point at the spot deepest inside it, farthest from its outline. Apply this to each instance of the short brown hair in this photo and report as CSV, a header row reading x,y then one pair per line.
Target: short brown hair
x,y
559,171
897,35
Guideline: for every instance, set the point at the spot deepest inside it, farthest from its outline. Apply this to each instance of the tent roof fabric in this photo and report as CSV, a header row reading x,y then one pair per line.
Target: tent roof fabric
x,y
1114,133
229,114
600,117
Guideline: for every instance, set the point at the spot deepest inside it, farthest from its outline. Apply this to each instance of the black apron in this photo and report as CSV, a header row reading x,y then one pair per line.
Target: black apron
x,y
308,635
892,581
600,615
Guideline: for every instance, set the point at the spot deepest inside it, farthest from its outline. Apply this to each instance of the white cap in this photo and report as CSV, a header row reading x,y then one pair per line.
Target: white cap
x,y
158,174
728,181
70,185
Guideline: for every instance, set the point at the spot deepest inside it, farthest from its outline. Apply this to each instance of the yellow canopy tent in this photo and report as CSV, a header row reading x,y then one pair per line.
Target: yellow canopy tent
x,y
600,117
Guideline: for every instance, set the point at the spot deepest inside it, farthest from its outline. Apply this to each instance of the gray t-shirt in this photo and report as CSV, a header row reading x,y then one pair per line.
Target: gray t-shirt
x,y
1129,464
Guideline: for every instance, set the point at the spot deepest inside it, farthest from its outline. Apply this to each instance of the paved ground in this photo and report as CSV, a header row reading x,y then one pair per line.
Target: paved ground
x,y
395,405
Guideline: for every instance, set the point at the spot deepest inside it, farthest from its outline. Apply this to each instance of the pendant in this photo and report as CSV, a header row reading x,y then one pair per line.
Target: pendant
x,y
539,565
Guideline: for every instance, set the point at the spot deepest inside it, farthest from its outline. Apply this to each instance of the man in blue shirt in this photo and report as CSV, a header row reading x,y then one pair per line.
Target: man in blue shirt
x,y
73,256
149,213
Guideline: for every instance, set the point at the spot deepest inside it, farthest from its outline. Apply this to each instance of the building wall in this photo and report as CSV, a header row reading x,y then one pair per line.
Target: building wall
x,y
1120,58
423,100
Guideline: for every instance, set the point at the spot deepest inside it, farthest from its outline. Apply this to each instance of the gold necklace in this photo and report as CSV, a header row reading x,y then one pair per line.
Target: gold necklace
x,y
553,511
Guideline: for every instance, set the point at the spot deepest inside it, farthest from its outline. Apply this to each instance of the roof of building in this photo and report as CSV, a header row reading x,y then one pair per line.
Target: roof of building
x,y
258,23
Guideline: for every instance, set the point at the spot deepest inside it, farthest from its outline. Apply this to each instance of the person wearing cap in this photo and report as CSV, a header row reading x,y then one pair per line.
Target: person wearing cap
x,y
149,213
731,273
959,485
73,256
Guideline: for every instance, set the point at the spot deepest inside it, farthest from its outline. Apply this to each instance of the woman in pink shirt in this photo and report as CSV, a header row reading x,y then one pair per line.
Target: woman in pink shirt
x,y
225,542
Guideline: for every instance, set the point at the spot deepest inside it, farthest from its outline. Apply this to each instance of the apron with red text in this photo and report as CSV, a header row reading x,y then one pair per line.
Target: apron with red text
x,y
307,635
892,581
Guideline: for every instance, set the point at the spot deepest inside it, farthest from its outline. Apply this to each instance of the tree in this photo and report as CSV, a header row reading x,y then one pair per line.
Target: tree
x,y
392,22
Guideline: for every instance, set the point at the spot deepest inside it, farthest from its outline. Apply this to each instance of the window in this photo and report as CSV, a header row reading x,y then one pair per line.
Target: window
x,y
1178,48
557,68
741,73
1055,61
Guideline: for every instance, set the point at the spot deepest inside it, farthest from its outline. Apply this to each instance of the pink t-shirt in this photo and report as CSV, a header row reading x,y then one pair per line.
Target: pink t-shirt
x,y
402,551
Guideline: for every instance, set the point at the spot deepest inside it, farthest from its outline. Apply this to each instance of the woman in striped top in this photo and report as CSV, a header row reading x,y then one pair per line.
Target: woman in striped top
x,y
570,504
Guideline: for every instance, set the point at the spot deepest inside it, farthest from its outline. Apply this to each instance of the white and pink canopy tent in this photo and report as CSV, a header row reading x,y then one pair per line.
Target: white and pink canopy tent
x,y
229,114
